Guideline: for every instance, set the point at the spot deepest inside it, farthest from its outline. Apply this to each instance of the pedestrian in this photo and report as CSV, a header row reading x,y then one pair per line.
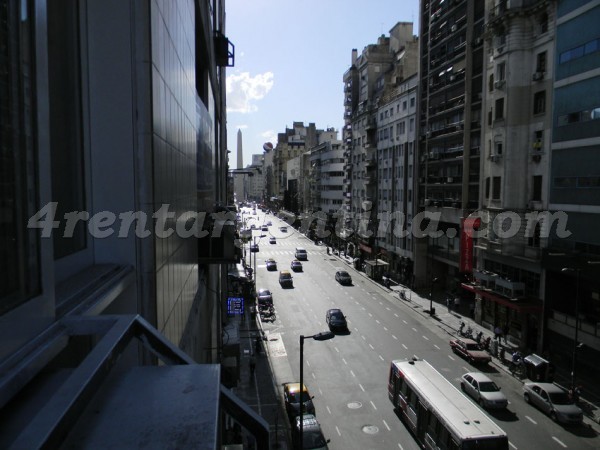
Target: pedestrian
x,y
505,331
497,333
456,303
252,365
449,303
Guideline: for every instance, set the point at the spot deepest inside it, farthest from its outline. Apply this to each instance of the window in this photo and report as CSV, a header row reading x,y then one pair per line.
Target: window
x,y
501,71
499,109
537,188
541,62
487,187
412,125
412,102
496,184
491,82
20,275
498,148
539,102
544,22
404,105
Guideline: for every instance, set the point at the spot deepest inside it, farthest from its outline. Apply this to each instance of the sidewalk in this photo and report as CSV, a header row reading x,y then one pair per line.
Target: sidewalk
x,y
259,391
450,320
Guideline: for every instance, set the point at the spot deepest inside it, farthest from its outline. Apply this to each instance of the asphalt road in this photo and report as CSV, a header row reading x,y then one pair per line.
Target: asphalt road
x,y
348,374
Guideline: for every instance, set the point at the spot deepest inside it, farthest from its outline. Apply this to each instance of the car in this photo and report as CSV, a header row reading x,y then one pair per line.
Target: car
x,y
469,349
291,398
264,228
483,390
269,223
342,277
271,264
336,320
554,401
272,240
312,435
252,226
296,266
301,254
264,296
253,248
285,279
283,229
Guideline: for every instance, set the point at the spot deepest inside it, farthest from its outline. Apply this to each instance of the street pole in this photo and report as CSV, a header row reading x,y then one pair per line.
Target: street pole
x,y
431,311
301,391
575,342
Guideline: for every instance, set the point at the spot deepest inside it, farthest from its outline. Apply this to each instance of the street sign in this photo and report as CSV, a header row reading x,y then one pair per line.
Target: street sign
x,y
235,306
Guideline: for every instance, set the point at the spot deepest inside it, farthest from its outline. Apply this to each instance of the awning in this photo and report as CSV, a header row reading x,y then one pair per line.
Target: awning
x,y
520,306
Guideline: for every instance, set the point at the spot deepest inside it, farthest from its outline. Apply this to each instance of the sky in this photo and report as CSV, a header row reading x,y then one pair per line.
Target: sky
x,y
290,59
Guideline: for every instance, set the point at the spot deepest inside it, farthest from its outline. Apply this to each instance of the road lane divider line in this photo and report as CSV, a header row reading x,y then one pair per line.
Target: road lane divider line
x,y
328,410
372,348
385,329
426,338
373,405
436,346
405,347
381,357
313,375
386,425
338,431
394,337
378,322
344,361
450,356
361,388
363,336
531,420
396,315
557,440
308,363
336,349
414,329
512,445
352,373
370,315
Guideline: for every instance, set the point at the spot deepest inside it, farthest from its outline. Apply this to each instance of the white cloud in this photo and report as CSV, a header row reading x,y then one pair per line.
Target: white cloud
x,y
243,90
269,136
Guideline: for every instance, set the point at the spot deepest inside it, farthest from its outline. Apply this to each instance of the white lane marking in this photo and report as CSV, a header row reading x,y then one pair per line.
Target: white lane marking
x,y
426,338
360,386
352,298
363,308
381,358
373,405
356,329
387,308
356,302
405,347
396,315
336,349
386,425
378,322
338,431
436,347
414,329
308,363
512,445
450,356
531,420
466,368
557,440
372,348
400,447
405,322
344,361
363,336
394,337
370,315
313,375
320,391
385,329
328,410
352,373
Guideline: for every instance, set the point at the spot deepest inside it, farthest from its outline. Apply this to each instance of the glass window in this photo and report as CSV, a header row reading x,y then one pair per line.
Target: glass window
x,y
537,188
565,182
496,188
539,102
541,62
591,47
499,108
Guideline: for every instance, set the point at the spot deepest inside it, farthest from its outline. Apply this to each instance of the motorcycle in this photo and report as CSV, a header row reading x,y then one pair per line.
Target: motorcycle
x,y
485,345
517,365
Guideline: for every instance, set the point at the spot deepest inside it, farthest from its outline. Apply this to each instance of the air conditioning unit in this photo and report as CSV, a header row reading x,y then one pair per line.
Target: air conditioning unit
x,y
453,28
449,180
537,76
495,158
499,84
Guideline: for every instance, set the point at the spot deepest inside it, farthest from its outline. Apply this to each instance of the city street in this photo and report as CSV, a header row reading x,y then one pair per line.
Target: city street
x,y
348,374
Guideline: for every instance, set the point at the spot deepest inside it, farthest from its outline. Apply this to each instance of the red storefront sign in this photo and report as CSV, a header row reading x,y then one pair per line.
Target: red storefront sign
x,y
467,226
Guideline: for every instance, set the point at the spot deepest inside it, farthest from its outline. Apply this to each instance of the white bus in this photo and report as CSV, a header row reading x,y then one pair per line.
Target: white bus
x,y
437,413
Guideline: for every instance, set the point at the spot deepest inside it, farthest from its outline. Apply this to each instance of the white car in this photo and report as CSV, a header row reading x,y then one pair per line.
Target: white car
x,y
484,390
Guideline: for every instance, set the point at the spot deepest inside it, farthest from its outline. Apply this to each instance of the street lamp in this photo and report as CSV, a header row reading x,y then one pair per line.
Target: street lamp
x,y
431,310
323,336
575,341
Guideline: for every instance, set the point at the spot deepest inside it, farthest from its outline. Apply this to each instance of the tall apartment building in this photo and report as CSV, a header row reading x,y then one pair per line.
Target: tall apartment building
x,y
113,114
571,262
451,86
256,182
395,176
327,162
516,122
385,63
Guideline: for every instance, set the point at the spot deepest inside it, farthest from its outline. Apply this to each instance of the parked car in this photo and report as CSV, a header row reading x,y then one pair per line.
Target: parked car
x,y
301,254
264,296
468,348
264,228
269,223
253,248
272,240
336,320
271,264
285,279
283,229
296,266
483,390
312,435
554,401
291,398
342,277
